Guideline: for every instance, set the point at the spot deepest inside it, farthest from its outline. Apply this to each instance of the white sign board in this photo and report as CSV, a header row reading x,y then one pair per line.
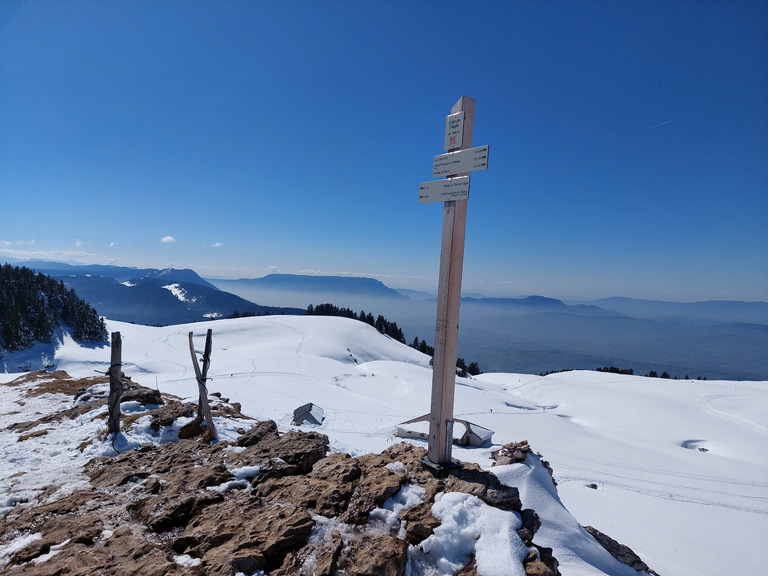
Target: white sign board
x,y
444,190
454,131
460,162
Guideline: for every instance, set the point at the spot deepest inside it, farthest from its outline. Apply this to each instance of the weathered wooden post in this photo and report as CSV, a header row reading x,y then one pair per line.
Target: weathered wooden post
x,y
203,408
454,191
115,384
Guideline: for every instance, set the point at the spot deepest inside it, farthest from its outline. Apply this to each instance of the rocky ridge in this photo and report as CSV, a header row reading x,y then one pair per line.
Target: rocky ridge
x,y
273,502
270,502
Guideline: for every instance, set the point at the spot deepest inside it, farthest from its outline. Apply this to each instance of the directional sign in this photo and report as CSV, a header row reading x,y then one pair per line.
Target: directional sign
x,y
444,190
454,131
460,162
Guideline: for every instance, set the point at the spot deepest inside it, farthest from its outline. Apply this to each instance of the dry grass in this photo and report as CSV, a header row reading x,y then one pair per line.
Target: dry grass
x,y
34,434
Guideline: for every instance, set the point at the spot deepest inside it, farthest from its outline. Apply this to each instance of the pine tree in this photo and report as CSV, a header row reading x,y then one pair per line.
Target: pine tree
x,y
32,305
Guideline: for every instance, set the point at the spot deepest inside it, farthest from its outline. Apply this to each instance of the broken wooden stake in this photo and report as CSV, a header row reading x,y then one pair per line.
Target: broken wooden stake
x,y
203,408
115,384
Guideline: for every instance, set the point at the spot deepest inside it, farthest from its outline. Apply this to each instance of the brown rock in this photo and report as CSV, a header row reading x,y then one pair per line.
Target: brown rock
x,y
531,524
242,536
619,551
192,429
374,487
470,569
538,568
420,524
338,468
511,453
265,429
301,449
141,394
376,556
471,479
167,414
160,502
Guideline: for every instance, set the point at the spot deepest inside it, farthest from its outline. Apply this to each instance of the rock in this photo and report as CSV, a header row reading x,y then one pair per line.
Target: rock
x,y
538,568
328,556
531,524
511,453
546,465
241,535
420,524
471,479
141,394
167,414
338,468
621,552
192,429
546,558
265,429
304,513
470,569
376,556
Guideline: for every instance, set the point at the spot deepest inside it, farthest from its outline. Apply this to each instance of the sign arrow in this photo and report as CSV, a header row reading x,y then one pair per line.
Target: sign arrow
x,y
444,190
461,162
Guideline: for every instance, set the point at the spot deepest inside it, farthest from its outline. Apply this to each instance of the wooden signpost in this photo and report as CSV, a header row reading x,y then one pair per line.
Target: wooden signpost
x,y
458,136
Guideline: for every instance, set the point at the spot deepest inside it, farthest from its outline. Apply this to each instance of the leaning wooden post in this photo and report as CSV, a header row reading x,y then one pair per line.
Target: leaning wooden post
x,y
115,384
448,300
203,408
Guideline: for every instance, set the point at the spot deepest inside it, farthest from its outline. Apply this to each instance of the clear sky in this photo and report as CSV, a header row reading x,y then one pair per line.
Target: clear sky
x,y
628,140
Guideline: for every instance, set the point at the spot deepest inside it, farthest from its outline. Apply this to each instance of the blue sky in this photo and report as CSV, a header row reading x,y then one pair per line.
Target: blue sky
x,y
628,140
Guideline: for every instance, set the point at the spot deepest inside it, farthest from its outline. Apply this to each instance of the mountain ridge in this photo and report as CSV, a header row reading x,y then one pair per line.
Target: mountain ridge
x,y
303,283
152,296
121,273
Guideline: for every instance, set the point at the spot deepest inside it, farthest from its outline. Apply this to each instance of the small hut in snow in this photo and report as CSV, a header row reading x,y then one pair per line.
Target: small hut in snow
x,y
308,414
473,435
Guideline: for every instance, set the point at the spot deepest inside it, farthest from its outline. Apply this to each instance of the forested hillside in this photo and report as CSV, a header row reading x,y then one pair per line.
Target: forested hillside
x,y
33,305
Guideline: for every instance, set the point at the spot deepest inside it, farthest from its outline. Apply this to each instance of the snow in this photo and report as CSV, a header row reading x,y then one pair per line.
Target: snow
x,y
187,561
406,498
684,511
469,526
7,551
179,292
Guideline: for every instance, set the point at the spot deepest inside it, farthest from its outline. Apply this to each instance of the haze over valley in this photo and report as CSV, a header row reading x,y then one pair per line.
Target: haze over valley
x,y
533,334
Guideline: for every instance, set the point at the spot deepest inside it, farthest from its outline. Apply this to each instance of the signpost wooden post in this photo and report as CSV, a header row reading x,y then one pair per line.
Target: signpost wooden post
x,y
458,136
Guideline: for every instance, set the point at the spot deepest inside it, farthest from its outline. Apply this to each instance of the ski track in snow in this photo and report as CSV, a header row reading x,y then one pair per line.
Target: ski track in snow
x,y
705,403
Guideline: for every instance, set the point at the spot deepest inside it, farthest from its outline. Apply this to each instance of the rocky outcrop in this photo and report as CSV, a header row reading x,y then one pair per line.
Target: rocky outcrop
x,y
511,453
273,502
269,501
621,552
516,452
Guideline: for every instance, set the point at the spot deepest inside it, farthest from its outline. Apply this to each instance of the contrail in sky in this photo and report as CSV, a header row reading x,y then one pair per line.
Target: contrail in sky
x,y
659,124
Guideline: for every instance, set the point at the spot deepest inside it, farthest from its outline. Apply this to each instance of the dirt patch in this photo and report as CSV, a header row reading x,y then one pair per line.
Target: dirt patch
x,y
58,382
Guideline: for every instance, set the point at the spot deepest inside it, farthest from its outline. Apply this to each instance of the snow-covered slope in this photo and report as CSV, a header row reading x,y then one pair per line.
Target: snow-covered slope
x,y
679,466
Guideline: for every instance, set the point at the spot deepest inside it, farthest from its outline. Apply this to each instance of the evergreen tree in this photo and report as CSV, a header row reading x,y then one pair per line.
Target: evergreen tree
x,y
32,305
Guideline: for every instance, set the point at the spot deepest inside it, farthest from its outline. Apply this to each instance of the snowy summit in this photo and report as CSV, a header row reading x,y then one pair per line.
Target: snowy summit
x,y
660,466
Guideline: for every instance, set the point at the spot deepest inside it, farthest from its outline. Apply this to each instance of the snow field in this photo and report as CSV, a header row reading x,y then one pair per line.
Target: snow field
x,y
685,511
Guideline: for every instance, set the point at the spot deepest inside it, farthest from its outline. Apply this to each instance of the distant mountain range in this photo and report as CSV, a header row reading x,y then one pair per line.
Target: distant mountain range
x,y
336,285
531,305
150,296
711,310
119,273
534,334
